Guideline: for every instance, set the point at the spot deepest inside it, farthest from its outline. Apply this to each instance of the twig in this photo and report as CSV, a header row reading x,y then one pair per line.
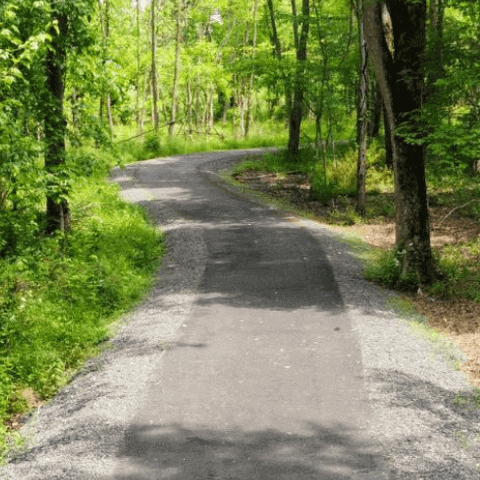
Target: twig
x,y
136,136
148,131
456,208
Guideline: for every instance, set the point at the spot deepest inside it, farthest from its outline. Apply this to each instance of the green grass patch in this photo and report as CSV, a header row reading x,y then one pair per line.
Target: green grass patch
x,y
461,265
59,298
222,137
469,400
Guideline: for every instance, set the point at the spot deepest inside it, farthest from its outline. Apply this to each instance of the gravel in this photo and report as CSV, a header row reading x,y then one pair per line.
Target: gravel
x,y
423,418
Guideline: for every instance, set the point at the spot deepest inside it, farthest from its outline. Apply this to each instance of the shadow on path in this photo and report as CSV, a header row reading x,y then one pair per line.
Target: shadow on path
x,y
181,453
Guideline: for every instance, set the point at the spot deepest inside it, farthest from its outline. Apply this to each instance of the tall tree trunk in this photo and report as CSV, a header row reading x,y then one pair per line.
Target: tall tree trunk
x,y
436,69
296,112
76,141
376,114
105,101
402,82
58,210
389,134
176,74
362,119
211,109
154,66
189,106
277,51
275,38
139,76
243,92
250,95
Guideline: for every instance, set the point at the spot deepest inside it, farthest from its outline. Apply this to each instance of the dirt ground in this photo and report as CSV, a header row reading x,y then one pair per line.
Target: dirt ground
x,y
459,319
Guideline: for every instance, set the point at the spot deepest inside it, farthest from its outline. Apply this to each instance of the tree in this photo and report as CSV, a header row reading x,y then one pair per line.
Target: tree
x,y
273,23
178,46
436,69
156,120
400,76
301,41
58,210
362,117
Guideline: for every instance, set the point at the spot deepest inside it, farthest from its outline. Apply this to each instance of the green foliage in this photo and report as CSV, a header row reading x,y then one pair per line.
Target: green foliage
x,y
86,162
255,164
152,145
384,267
460,265
22,186
58,297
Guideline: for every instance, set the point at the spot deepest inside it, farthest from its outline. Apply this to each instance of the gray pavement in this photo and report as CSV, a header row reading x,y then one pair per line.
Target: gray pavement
x,y
265,380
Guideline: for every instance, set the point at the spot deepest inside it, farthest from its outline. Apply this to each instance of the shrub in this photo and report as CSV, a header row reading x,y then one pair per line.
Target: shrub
x,y
152,145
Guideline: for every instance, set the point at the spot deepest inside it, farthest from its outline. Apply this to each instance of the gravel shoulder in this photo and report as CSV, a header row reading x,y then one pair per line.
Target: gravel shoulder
x,y
424,428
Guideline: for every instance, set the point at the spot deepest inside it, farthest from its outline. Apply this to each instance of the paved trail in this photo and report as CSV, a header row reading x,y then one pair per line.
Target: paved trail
x,y
267,382
262,354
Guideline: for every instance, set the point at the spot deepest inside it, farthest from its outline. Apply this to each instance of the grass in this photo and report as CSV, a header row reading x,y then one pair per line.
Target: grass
x,y
151,144
59,299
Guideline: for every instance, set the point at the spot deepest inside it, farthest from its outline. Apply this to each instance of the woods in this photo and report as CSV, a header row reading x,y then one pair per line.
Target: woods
x,y
350,90
92,73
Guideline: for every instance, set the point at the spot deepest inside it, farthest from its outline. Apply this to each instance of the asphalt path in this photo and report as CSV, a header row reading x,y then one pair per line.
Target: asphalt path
x,y
261,353
265,380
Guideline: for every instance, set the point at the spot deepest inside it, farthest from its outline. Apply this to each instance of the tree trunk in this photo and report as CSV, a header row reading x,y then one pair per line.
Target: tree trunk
x,y
76,141
362,120
275,38
435,70
139,76
58,210
388,139
176,74
154,67
296,112
402,82
376,115
249,118
105,101
189,106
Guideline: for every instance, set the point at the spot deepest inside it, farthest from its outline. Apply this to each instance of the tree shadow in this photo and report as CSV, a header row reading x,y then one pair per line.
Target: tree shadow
x,y
177,452
429,429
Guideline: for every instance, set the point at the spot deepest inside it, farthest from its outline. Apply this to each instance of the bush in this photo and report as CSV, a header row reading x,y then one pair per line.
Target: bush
x,y
152,145
87,162
58,298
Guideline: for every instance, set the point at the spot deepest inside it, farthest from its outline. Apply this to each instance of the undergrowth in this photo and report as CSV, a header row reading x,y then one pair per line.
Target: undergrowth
x,y
160,144
59,296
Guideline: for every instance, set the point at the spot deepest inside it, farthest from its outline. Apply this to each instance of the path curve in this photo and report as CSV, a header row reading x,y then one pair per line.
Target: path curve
x,y
261,354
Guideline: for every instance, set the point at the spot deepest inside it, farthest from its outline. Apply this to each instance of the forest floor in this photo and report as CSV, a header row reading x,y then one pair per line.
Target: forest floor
x,y
458,318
